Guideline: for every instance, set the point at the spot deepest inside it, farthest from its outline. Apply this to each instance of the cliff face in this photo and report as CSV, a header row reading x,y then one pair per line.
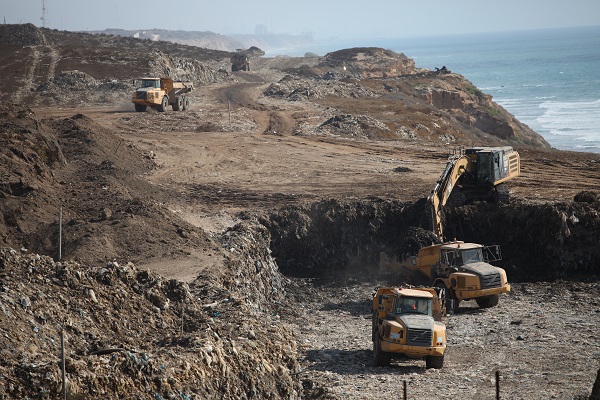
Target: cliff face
x,y
431,105
456,95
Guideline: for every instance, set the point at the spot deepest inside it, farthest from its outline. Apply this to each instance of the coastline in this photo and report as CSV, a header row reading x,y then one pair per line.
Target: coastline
x,y
545,78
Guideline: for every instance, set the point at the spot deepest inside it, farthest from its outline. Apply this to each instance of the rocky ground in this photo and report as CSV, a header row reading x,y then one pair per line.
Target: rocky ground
x,y
534,321
231,251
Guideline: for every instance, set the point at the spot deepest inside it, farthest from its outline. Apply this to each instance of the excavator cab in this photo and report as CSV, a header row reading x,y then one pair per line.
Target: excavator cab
x,y
491,164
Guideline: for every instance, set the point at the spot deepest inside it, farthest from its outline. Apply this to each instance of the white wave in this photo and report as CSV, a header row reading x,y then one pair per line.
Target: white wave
x,y
574,125
491,88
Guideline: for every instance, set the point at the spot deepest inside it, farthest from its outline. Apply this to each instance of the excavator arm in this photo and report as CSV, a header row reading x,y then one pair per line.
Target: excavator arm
x,y
455,168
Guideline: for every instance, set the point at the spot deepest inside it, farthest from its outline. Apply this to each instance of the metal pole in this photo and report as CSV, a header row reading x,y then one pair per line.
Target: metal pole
x,y
405,397
182,313
64,374
497,385
60,235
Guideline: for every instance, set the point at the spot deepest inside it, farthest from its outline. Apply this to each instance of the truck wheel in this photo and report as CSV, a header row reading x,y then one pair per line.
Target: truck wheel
x,y
380,358
163,104
434,362
178,105
186,103
487,301
140,108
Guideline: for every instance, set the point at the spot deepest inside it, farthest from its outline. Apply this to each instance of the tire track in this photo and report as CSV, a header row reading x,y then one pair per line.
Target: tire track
x,y
28,83
36,66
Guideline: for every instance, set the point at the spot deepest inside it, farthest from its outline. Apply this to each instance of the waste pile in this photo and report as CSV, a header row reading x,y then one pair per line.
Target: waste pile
x,y
355,126
131,333
296,88
76,87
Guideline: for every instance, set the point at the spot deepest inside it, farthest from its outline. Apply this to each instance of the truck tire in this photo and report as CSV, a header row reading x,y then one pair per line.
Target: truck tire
x,y
487,301
140,108
434,362
186,103
380,358
163,104
178,105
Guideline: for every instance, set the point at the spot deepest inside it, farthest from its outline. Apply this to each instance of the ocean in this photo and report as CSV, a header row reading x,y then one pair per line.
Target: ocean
x,y
548,79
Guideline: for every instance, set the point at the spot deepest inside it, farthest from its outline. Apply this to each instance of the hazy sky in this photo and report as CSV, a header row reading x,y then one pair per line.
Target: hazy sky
x,y
323,18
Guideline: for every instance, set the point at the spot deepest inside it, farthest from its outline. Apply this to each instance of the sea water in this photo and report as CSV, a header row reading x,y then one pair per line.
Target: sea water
x,y
548,79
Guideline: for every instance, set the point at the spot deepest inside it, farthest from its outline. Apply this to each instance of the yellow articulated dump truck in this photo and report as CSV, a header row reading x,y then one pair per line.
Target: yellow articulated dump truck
x,y
407,321
159,93
463,271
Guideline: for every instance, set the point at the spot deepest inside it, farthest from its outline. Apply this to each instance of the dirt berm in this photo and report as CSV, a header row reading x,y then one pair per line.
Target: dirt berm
x,y
232,250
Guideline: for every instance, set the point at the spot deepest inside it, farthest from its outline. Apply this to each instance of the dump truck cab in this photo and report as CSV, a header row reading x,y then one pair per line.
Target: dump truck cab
x,y
407,321
463,270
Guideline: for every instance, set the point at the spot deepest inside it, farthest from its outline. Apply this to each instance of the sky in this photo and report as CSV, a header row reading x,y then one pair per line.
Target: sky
x,y
323,19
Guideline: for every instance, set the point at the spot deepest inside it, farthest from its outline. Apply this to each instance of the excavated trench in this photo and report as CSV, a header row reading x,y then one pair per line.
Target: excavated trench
x,y
539,241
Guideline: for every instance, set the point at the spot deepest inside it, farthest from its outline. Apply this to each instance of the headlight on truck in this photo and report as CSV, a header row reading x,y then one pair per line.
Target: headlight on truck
x,y
396,336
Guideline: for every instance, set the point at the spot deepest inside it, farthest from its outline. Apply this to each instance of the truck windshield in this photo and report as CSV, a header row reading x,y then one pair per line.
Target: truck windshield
x,y
471,256
150,83
458,257
413,305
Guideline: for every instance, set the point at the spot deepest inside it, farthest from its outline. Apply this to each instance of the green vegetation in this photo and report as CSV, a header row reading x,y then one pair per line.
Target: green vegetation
x,y
494,112
473,90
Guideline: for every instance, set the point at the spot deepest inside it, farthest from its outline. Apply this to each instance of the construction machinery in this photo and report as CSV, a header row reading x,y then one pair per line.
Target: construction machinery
x,y
159,93
478,173
408,322
240,61
463,271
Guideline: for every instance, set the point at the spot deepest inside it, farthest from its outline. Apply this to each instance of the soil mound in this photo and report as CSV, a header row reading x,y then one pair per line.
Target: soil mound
x,y
369,62
21,35
129,331
97,179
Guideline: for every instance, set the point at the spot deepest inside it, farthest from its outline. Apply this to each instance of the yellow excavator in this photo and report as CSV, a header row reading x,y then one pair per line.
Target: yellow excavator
x,y
477,173
462,270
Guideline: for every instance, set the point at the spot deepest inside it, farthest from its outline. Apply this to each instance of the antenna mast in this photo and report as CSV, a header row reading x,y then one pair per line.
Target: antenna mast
x,y
43,14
